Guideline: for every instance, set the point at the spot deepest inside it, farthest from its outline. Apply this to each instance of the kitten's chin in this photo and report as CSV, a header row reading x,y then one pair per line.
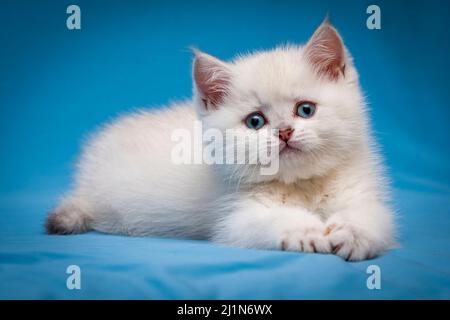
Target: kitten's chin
x,y
289,151
296,165
287,173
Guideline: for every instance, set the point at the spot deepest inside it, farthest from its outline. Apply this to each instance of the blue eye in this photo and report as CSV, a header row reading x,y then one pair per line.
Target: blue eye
x,y
255,121
306,109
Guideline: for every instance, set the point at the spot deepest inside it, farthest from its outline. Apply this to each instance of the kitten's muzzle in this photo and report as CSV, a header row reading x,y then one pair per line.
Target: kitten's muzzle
x,y
285,134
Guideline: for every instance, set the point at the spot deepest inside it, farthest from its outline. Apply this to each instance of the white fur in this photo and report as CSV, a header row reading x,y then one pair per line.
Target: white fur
x,y
331,196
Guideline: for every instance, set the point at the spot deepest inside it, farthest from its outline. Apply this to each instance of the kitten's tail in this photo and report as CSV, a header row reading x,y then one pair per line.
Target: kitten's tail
x,y
70,217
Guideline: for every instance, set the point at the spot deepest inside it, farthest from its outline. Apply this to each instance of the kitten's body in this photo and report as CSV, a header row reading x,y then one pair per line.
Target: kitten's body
x,y
127,182
328,198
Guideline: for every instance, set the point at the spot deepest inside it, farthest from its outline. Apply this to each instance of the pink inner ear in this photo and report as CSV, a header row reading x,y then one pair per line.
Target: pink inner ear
x,y
212,79
325,51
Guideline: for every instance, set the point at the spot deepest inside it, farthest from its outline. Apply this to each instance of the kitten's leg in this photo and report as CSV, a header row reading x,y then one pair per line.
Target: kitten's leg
x,y
271,226
73,215
362,231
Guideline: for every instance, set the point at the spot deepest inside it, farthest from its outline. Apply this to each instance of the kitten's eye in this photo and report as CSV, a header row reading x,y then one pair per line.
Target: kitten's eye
x,y
306,109
255,120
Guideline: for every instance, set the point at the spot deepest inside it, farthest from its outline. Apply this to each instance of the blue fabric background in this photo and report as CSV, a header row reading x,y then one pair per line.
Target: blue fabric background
x,y
56,85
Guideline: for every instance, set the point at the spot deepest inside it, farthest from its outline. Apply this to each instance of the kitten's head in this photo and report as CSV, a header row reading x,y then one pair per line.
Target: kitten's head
x,y
309,93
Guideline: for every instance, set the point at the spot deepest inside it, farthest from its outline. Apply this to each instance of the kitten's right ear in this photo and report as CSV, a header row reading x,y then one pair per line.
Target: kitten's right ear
x,y
325,50
212,78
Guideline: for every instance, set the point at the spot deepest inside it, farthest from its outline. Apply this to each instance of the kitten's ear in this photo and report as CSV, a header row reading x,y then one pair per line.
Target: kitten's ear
x,y
212,78
325,51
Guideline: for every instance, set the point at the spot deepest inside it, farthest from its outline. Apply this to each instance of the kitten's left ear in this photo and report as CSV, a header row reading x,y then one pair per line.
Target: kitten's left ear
x,y
325,51
212,78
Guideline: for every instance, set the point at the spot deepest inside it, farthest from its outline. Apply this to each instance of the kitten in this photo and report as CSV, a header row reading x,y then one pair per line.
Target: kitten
x,y
327,196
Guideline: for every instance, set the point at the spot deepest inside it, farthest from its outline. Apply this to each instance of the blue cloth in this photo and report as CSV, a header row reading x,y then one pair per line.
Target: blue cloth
x,y
33,265
57,85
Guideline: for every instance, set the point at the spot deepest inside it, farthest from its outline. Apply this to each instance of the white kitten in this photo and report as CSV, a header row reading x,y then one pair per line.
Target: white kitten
x,y
327,196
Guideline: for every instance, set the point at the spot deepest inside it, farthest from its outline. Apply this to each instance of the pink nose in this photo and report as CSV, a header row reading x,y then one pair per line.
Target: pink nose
x,y
286,134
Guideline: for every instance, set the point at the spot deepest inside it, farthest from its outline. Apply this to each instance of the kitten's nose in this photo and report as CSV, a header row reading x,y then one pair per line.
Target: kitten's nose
x,y
285,134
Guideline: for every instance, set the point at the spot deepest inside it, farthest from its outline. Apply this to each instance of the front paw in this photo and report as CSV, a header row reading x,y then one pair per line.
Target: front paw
x,y
308,239
349,242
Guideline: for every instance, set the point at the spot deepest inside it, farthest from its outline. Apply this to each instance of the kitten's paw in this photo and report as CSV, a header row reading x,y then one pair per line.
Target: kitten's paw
x,y
308,239
348,242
